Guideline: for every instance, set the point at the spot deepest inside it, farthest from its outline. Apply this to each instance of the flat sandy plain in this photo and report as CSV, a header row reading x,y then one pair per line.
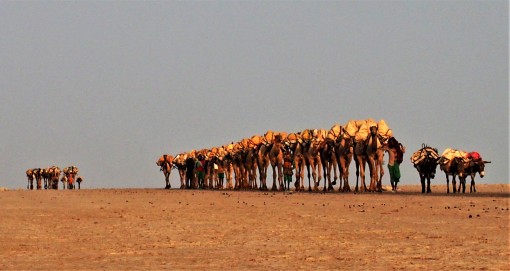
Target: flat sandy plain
x,y
155,229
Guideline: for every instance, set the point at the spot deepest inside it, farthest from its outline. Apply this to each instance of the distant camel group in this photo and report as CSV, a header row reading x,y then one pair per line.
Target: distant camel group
x,y
51,175
320,151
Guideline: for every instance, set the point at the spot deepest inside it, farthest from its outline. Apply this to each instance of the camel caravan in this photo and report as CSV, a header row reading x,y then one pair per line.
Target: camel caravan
x,y
50,176
321,154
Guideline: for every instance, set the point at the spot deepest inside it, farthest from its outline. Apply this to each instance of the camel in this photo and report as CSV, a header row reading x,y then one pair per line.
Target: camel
x,y
263,161
250,161
45,177
179,163
238,158
360,159
53,176
311,154
31,177
65,183
276,160
227,166
357,131
38,177
329,162
375,149
344,151
425,160
165,163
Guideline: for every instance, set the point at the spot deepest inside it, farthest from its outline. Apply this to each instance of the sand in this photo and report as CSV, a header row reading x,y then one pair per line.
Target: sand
x,y
155,229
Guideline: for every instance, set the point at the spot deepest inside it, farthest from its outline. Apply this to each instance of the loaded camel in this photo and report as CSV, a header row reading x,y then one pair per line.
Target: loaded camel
x,y
375,158
276,160
312,158
31,176
329,161
344,151
165,163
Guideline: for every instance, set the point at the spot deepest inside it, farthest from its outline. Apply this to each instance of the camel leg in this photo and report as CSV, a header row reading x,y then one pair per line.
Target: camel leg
x,y
274,188
264,179
315,179
381,174
309,175
319,172
362,185
326,177
280,176
301,176
297,184
335,177
454,183
373,175
345,176
428,185
167,180
422,180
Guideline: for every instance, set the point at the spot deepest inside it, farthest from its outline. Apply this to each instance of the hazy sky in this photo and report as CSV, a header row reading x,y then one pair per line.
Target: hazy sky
x,y
109,86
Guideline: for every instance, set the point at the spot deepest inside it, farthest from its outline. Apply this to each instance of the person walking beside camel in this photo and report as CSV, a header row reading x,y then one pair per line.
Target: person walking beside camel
x,y
287,168
396,156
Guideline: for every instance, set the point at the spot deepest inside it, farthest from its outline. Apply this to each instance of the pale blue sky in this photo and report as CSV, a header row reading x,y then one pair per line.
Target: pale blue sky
x,y
109,86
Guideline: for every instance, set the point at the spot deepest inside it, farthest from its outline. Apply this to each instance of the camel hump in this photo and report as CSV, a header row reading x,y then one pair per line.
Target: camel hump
x,y
255,141
165,157
334,132
292,138
384,130
307,134
230,147
320,134
268,137
362,133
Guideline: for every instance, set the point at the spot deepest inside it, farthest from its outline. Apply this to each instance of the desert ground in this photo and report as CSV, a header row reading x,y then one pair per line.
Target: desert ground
x,y
155,229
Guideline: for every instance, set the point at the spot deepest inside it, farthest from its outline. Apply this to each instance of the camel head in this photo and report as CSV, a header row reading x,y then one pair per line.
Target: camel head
x,y
278,138
373,130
